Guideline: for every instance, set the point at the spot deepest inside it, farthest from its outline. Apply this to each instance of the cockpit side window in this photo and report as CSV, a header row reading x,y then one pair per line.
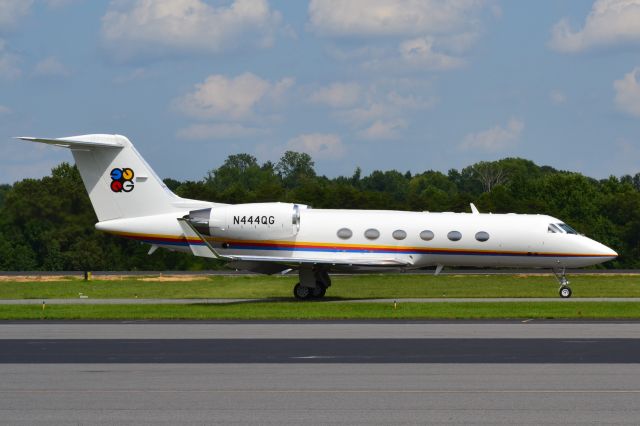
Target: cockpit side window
x,y
567,228
552,229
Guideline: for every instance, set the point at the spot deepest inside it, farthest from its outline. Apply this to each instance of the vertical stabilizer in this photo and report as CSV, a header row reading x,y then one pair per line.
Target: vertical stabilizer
x,y
119,181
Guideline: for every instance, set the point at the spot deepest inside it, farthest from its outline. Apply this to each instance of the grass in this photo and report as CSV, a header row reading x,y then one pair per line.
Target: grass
x,y
344,287
323,310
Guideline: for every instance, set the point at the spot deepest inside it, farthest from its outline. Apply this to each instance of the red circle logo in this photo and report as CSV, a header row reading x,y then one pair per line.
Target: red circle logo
x,y
116,186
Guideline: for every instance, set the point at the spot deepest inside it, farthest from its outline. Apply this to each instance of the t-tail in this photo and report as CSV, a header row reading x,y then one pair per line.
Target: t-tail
x,y
118,180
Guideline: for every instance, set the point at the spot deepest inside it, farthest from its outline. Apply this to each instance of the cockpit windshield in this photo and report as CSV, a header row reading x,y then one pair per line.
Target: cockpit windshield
x,y
567,228
552,229
561,228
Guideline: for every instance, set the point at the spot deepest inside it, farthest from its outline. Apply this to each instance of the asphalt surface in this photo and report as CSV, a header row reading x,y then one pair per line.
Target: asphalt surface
x,y
283,351
347,330
88,301
319,394
320,372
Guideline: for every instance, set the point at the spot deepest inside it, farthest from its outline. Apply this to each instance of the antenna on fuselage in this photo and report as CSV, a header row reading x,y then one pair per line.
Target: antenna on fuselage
x,y
474,209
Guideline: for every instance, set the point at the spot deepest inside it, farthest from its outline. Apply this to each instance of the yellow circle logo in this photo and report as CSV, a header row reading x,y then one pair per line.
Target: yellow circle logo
x,y
127,174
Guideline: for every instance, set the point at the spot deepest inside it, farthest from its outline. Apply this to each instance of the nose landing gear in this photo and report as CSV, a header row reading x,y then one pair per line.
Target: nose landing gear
x,y
564,290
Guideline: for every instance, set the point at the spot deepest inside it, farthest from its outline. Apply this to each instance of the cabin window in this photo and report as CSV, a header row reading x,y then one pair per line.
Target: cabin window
x,y
399,234
426,235
344,233
567,228
482,236
454,236
371,234
552,229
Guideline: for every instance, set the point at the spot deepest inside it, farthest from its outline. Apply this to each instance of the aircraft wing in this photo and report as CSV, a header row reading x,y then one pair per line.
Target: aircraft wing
x,y
201,247
292,261
269,265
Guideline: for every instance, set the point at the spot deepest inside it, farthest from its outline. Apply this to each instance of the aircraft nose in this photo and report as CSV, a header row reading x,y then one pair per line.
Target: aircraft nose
x,y
604,252
610,253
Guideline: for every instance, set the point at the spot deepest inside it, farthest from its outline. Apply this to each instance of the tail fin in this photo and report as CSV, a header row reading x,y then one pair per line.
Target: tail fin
x,y
119,182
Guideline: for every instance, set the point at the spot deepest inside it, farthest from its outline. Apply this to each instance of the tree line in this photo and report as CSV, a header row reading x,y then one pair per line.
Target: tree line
x,y
48,223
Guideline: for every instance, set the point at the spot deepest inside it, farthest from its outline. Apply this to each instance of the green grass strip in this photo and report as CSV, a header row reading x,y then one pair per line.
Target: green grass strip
x,y
324,310
356,286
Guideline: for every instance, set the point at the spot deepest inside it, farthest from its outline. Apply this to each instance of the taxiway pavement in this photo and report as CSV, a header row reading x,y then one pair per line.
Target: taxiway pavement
x,y
319,394
320,372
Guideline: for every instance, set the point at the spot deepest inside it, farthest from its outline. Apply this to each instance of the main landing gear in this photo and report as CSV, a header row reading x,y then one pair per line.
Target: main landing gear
x,y
564,290
313,284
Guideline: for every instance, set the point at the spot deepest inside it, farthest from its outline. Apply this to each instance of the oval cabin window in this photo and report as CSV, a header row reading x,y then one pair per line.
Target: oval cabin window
x,y
426,235
345,233
454,236
482,236
371,234
399,234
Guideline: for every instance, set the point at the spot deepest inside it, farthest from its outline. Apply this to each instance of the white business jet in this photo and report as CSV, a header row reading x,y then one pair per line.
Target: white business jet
x,y
131,201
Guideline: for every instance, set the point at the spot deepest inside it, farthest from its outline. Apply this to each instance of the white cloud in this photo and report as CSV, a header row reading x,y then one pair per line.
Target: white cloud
x,y
557,97
496,139
230,98
391,36
280,89
156,27
366,113
381,130
609,22
380,110
218,131
419,53
627,90
396,18
51,66
11,11
337,95
410,101
9,63
318,145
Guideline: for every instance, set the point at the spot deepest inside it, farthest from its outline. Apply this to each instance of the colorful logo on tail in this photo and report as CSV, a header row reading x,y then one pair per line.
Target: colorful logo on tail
x,y
122,180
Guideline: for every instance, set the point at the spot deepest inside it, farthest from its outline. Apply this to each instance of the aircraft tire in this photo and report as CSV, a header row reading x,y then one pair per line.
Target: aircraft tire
x,y
565,292
318,292
301,293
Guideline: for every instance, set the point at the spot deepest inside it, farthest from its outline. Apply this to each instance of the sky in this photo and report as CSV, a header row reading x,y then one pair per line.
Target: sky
x,y
411,85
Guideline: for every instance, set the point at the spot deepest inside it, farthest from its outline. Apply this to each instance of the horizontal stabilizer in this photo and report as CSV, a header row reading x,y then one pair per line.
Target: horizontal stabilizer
x,y
75,142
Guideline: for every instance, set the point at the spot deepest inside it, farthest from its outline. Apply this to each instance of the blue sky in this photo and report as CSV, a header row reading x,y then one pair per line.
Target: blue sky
x,y
407,85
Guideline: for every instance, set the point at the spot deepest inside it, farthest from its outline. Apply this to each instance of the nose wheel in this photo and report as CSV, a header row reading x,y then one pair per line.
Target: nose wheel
x,y
564,290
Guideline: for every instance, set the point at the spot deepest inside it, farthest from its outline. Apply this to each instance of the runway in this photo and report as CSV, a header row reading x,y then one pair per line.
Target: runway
x,y
360,351
319,394
320,372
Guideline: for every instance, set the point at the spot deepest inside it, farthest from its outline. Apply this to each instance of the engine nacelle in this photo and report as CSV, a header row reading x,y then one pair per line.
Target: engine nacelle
x,y
254,221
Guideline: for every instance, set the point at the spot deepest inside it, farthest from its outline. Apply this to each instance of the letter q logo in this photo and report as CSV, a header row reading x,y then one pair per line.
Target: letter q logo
x,y
122,180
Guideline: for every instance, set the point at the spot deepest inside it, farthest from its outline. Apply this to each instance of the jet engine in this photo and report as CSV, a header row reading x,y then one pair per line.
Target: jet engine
x,y
255,221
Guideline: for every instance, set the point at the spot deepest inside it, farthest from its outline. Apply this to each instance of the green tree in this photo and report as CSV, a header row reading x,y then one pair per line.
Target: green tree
x,y
294,168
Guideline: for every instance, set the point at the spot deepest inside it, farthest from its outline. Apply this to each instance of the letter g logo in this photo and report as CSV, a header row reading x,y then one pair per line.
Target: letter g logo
x,y
122,180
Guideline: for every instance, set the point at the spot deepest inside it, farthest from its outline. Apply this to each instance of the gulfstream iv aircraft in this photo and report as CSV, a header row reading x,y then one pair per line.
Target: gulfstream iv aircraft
x,y
131,201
